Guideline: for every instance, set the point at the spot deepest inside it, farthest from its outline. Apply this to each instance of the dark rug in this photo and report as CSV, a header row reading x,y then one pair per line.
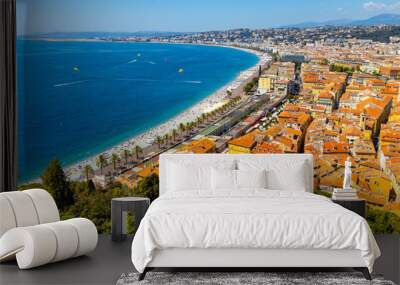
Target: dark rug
x,y
229,278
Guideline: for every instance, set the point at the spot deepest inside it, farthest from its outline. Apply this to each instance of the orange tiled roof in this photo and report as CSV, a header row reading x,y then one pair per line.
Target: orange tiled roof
x,y
345,96
352,130
393,84
273,130
389,135
390,91
291,131
326,94
336,147
292,108
268,147
391,150
376,82
247,140
204,145
287,142
373,112
286,114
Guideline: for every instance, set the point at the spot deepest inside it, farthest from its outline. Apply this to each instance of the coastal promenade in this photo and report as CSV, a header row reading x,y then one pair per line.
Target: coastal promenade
x,y
149,154
145,147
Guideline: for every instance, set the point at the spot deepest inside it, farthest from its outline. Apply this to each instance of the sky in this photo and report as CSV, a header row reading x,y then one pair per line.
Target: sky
x,y
44,16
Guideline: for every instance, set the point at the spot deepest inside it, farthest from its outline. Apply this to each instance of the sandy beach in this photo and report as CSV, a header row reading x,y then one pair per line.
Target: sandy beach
x,y
74,171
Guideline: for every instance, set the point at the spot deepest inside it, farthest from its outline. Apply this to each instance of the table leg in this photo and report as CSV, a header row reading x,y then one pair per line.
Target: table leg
x,y
124,226
116,222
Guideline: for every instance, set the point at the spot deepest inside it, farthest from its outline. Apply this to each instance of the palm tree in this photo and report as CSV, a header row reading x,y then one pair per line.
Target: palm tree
x,y
174,134
191,126
159,141
166,138
114,159
199,120
182,127
203,117
133,151
188,127
101,162
127,153
138,151
88,169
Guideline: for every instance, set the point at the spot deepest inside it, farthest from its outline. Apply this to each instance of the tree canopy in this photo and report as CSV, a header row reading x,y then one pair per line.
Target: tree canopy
x,y
55,181
148,187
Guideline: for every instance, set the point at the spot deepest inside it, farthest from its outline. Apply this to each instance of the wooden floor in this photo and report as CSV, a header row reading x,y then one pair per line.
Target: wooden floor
x,y
106,264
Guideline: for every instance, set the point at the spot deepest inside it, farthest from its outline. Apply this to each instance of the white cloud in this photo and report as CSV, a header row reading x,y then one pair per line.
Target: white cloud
x,y
374,5
379,6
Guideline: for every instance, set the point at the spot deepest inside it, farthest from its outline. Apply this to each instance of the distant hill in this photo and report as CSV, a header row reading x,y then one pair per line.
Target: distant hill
x,y
383,19
303,25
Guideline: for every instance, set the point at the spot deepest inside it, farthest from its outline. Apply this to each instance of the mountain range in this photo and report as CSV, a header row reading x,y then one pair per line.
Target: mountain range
x,y
382,19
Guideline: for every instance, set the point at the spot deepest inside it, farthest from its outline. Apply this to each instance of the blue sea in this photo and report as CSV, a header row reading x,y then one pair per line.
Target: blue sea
x,y
76,99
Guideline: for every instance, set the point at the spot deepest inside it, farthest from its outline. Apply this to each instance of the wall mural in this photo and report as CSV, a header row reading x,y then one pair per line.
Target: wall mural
x,y
96,109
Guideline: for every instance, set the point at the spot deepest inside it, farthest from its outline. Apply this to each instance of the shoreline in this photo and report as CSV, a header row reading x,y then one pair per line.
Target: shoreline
x,y
146,138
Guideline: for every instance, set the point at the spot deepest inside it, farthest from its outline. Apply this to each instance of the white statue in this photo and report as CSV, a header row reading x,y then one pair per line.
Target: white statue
x,y
347,175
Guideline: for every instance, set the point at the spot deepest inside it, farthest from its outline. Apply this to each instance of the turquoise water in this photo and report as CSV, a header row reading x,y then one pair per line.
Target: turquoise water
x,y
77,99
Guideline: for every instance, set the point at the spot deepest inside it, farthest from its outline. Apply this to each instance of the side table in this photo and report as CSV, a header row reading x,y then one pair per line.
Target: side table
x,y
358,206
119,209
